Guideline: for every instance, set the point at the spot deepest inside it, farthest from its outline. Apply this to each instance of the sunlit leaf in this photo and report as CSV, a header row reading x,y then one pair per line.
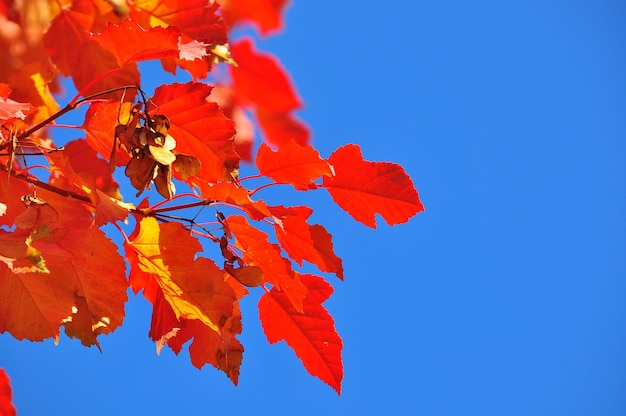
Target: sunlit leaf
x,y
364,189
310,333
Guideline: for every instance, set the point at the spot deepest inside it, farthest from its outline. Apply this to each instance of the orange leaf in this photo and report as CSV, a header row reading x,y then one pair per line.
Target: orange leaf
x,y
306,242
129,42
257,251
195,289
85,288
30,83
190,298
199,127
293,164
364,189
311,334
6,395
260,80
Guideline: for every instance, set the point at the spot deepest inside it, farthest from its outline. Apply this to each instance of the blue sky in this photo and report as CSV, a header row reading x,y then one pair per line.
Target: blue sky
x,y
506,297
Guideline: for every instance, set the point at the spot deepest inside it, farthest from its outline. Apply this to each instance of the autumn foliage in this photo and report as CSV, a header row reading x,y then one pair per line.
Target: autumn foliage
x,y
162,170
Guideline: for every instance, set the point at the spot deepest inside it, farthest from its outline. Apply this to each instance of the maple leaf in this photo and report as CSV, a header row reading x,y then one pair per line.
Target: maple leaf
x,y
279,128
197,21
190,298
17,252
310,333
292,163
195,289
265,14
244,139
86,286
259,79
258,251
223,351
9,108
364,189
11,193
91,176
100,121
6,395
72,50
130,43
80,165
31,83
199,128
306,242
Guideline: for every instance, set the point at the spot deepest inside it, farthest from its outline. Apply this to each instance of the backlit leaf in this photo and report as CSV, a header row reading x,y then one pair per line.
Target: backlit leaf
x,y
306,242
265,14
194,288
364,189
260,80
199,127
86,286
198,20
10,108
279,128
257,251
129,42
292,163
6,395
310,333
100,121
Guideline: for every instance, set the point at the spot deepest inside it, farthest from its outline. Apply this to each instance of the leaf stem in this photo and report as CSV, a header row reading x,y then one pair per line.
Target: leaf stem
x,y
255,190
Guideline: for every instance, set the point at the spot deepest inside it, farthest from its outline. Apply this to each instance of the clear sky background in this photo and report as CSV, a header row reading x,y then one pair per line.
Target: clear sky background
x,y
506,297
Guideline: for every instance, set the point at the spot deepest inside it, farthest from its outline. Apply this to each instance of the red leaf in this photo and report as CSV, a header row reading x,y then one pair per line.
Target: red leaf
x,y
6,395
199,127
10,108
224,351
364,189
306,242
191,297
100,121
292,163
279,128
11,193
259,79
129,42
266,14
68,42
79,164
310,334
244,139
257,251
197,20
